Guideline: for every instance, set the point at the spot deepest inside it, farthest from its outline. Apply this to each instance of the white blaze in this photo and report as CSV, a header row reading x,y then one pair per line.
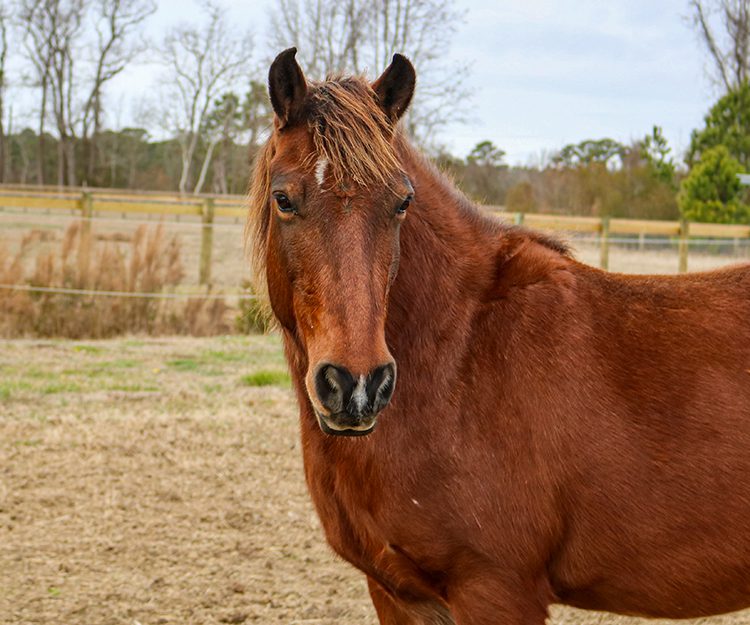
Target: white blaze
x,y
320,170
359,396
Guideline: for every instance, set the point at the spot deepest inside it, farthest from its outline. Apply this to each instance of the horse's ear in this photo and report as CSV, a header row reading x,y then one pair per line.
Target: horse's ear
x,y
287,87
395,87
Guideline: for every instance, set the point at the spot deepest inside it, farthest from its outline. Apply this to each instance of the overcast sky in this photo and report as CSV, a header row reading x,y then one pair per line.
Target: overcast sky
x,y
544,72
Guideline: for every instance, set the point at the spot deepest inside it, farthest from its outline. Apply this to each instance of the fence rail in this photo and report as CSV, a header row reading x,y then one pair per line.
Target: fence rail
x,y
89,202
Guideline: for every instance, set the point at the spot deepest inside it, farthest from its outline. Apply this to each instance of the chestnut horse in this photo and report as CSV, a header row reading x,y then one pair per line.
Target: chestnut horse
x,y
556,433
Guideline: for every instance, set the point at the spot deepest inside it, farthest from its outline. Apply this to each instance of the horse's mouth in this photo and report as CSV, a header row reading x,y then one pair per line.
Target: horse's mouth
x,y
345,425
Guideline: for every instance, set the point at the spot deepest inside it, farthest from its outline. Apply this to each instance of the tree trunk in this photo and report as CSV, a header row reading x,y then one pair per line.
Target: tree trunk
x,y
93,143
3,151
40,141
8,169
61,162
204,168
70,158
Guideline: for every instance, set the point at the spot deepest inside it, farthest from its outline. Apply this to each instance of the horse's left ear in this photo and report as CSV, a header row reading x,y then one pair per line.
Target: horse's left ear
x,y
395,87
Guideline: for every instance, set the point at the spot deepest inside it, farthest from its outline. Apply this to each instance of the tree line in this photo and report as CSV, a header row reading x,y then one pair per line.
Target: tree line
x,y
202,124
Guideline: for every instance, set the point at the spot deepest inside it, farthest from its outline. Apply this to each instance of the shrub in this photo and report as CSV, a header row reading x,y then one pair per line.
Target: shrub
x,y
520,198
712,192
253,316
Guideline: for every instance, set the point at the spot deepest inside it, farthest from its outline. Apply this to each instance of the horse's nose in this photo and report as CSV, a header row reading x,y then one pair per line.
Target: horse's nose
x,y
360,396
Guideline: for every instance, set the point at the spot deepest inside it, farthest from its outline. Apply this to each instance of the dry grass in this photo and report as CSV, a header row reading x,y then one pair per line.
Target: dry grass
x,y
149,263
229,267
144,481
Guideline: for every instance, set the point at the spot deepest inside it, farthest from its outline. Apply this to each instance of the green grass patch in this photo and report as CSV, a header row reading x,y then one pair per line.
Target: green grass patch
x,y
224,356
134,343
101,369
39,374
88,349
184,364
133,388
28,442
266,378
10,387
120,363
60,387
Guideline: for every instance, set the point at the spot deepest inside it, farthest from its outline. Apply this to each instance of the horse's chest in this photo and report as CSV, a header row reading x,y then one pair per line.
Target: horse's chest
x,y
366,529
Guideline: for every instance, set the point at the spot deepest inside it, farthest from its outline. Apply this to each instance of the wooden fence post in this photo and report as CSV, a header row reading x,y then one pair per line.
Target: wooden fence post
x,y
683,245
87,212
604,243
207,235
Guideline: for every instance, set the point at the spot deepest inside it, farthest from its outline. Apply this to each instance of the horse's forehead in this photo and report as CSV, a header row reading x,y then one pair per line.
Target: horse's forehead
x,y
295,146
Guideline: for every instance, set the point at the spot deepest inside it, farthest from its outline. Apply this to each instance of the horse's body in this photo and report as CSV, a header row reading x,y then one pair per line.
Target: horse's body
x,y
559,434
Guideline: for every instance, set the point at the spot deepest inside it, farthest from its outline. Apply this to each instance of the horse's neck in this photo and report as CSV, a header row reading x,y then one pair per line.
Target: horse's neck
x,y
448,255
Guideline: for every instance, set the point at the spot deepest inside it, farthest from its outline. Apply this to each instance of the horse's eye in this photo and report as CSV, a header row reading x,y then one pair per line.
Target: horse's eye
x,y
402,209
283,203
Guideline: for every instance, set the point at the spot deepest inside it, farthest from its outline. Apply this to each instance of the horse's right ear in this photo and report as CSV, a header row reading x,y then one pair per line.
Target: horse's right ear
x,y
287,87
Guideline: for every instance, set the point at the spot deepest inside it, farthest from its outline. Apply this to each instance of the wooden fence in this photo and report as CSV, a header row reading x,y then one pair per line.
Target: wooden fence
x,y
89,202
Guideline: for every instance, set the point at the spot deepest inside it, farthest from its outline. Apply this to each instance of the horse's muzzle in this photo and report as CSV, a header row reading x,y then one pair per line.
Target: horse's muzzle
x,y
346,425
352,403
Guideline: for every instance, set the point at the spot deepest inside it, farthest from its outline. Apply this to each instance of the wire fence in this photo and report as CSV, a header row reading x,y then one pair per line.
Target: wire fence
x,y
32,219
135,294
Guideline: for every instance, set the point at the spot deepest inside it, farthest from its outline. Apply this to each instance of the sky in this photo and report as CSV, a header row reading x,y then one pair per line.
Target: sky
x,y
543,73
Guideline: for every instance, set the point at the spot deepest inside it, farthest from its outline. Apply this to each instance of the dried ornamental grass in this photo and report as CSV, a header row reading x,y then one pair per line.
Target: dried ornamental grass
x,y
149,264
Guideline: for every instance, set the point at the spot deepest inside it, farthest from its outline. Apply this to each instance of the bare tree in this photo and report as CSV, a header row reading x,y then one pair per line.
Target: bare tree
x,y
257,117
75,48
223,125
331,31
357,35
38,47
65,19
4,18
115,22
53,29
728,42
202,63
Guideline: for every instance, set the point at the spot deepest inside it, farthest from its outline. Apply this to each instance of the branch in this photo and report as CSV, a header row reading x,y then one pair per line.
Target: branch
x,y
701,21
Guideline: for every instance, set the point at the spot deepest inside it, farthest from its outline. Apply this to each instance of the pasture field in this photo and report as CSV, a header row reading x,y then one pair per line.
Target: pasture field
x,y
159,481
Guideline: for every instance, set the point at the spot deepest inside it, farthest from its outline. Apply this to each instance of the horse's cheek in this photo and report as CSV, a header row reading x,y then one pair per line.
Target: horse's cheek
x,y
280,290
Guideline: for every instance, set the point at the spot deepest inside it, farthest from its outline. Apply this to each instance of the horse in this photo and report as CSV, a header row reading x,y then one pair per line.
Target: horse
x,y
489,426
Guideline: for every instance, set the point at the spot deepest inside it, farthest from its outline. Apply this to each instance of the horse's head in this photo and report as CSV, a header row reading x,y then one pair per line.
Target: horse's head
x,y
328,198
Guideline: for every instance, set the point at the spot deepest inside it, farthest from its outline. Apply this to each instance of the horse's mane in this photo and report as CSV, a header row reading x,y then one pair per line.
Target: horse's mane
x,y
350,130
470,209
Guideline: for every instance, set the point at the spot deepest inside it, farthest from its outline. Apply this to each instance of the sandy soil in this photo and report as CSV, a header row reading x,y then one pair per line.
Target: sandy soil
x,y
154,482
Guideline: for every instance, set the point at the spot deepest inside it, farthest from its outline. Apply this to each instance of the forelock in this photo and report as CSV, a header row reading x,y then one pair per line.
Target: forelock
x,y
351,131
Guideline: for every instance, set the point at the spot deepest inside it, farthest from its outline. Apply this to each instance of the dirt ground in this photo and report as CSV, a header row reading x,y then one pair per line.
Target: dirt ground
x,y
154,482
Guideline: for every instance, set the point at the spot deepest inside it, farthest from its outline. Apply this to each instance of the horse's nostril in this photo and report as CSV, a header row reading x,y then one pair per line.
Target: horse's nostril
x,y
340,392
333,385
380,385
